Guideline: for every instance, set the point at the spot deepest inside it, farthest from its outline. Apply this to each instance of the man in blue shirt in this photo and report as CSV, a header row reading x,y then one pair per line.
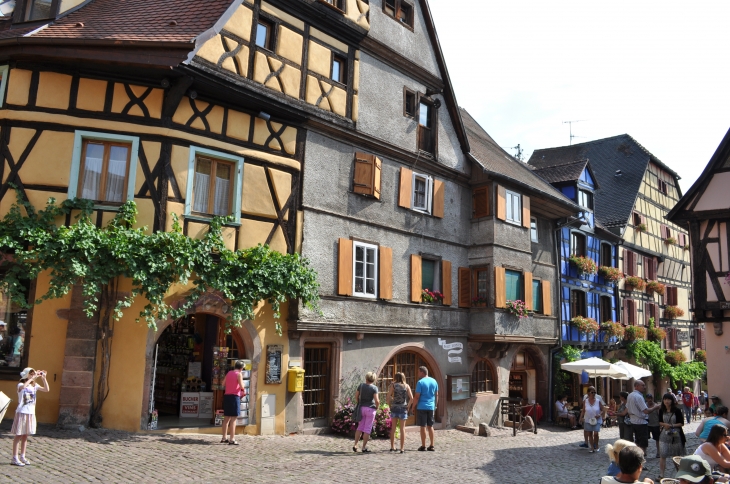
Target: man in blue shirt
x,y
427,394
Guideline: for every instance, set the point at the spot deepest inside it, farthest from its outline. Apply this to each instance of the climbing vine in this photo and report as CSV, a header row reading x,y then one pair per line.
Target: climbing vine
x,y
653,356
562,378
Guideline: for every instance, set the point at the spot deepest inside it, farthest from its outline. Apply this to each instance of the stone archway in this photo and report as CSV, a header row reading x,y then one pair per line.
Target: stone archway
x,y
214,304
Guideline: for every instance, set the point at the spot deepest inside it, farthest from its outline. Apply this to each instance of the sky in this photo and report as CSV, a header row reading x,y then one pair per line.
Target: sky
x,y
658,71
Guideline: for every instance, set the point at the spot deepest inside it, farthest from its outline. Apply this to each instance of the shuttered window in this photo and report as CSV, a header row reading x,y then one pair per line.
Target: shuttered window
x,y
605,309
536,296
527,290
421,193
500,289
364,270
651,310
650,268
699,335
365,273
630,263
670,296
577,244
578,304
416,284
464,287
386,273
514,208
367,175
480,202
513,281
629,312
546,298
606,255
446,281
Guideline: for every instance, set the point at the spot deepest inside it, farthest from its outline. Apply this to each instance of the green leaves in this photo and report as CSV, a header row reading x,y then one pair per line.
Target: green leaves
x,y
35,241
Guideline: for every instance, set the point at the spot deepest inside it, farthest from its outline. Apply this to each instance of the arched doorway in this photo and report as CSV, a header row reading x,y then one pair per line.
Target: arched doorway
x,y
406,362
522,377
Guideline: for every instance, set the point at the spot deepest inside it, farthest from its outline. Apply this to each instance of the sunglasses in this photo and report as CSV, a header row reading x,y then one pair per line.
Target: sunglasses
x,y
591,392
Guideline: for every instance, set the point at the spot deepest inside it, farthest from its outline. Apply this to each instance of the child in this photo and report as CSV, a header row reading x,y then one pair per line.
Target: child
x,y
24,422
613,451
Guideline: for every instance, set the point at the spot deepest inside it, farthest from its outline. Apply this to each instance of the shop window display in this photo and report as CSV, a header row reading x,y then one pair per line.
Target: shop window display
x,y
14,330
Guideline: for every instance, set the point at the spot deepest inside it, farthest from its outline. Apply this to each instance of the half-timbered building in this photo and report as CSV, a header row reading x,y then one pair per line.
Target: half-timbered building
x,y
705,211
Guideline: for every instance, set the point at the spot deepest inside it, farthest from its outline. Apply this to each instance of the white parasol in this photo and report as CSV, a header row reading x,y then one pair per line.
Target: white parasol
x,y
595,367
633,371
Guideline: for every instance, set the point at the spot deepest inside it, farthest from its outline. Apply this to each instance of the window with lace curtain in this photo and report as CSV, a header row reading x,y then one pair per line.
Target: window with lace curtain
x,y
214,184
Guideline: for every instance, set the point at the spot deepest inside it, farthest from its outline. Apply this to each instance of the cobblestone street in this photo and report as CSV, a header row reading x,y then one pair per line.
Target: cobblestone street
x,y
551,456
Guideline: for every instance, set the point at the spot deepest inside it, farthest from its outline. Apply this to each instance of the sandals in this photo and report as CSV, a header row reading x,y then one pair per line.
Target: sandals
x,y
421,448
402,451
354,449
430,448
224,441
365,450
392,450
232,442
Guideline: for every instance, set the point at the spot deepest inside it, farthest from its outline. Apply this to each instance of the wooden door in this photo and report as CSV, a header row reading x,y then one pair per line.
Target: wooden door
x,y
316,394
407,363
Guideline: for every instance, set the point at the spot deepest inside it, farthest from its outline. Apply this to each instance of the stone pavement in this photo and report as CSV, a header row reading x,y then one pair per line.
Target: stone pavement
x,y
551,456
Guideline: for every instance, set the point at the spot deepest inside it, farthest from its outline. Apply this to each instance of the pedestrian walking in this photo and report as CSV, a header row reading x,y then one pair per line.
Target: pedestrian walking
x,y
424,402
613,451
624,431
369,401
592,417
688,400
232,403
653,425
639,415
672,437
399,396
24,423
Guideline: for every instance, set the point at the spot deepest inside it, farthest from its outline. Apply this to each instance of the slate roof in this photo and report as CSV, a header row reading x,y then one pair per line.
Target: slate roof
x,y
615,198
134,20
561,173
500,163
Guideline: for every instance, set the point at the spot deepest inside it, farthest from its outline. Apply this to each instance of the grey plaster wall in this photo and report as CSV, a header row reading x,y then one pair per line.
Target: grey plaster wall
x,y
544,249
414,45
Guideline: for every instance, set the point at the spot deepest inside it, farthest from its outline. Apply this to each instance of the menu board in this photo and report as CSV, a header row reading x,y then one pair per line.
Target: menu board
x,y
273,363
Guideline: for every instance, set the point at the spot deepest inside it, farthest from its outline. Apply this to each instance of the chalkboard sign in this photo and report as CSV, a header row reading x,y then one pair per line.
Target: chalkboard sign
x,y
273,363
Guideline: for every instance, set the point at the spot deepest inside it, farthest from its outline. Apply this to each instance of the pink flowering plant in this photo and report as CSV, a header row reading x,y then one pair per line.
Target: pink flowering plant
x,y
612,328
432,297
342,422
585,265
611,274
383,422
518,308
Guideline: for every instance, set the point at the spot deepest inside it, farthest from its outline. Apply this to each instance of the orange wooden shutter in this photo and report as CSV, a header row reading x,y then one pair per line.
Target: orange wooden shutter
x,y
438,198
344,267
386,272
525,211
405,193
480,202
546,298
500,288
416,289
363,181
501,203
378,177
634,315
446,281
464,287
527,291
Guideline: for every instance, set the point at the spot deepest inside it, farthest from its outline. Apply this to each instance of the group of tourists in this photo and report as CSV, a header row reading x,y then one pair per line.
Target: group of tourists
x,y
627,464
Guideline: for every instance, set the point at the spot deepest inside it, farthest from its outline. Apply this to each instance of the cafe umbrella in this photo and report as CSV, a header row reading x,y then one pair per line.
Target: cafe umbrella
x,y
633,371
595,367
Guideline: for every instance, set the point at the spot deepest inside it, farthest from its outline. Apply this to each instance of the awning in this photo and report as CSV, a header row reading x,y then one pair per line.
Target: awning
x,y
595,367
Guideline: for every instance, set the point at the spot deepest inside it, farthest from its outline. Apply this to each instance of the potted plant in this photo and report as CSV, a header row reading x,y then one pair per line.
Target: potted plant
x,y
611,274
640,228
670,241
633,333
585,325
479,301
585,265
632,283
611,329
655,333
686,247
673,312
432,297
655,286
701,355
675,357
518,308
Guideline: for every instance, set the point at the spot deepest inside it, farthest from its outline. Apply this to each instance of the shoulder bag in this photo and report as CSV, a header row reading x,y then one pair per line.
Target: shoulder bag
x,y
356,413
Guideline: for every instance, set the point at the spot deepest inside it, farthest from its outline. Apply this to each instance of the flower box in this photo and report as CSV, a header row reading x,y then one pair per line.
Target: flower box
x,y
632,333
670,241
585,325
611,274
655,287
479,302
611,329
673,312
640,228
675,357
701,355
432,297
632,283
585,265
518,308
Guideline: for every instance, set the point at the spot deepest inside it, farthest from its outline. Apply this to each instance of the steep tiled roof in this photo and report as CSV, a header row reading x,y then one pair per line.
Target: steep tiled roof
x,y
615,198
135,20
497,161
561,173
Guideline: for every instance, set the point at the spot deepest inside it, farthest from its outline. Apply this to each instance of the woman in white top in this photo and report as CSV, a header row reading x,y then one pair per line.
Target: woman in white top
x,y
591,417
24,423
714,451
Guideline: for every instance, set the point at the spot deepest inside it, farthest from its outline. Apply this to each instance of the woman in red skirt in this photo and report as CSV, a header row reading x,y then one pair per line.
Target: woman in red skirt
x,y
24,422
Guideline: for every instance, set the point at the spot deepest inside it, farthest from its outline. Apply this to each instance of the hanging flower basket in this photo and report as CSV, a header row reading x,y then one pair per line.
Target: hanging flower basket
x,y
632,283
432,297
585,325
518,308
655,287
673,312
585,265
611,274
670,241
675,357
655,333
612,328
701,355
640,228
633,333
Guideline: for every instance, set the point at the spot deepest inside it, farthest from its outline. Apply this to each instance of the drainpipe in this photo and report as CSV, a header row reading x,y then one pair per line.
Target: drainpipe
x,y
553,351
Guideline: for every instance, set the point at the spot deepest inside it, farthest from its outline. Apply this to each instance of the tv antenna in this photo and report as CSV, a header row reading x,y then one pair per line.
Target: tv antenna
x,y
570,124
518,154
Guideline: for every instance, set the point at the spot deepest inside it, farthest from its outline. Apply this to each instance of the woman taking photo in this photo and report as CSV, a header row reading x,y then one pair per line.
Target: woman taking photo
x,y
24,423
399,396
672,438
591,416
367,396
714,451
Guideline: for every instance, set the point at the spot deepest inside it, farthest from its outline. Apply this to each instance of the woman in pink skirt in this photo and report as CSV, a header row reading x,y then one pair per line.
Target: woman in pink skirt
x,y
24,421
367,395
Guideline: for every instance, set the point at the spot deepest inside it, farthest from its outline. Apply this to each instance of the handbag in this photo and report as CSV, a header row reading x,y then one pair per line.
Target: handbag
x,y
356,413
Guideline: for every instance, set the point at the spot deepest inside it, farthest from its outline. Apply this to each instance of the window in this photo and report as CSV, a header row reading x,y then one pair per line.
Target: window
x,y
214,184
39,10
577,244
578,304
482,378
409,103
430,277
367,175
651,310
605,309
339,73
606,255
650,268
665,231
670,296
533,229
338,4
480,202
422,190
482,279
400,11
662,186
536,296
637,219
630,263
103,167
3,81
365,263
15,332
426,130
629,312
264,34
513,285
514,209
585,199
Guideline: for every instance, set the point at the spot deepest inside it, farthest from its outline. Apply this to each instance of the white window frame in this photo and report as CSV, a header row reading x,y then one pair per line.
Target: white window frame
x,y
376,251
79,137
5,71
510,209
429,192
237,183
534,232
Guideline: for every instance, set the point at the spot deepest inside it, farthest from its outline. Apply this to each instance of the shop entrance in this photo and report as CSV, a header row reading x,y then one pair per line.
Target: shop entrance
x,y
189,360
522,377
406,362
316,394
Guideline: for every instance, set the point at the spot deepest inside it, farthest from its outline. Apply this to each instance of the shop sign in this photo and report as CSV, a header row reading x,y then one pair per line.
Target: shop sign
x,y
189,405
683,336
205,408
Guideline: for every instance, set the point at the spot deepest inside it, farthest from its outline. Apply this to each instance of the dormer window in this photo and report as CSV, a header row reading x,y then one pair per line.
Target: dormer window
x,y
585,199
